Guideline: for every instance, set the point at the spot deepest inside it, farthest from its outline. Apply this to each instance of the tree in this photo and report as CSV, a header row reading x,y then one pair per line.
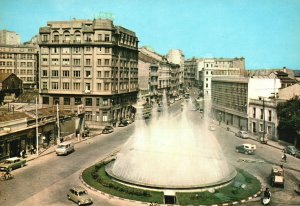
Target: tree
x,y
289,120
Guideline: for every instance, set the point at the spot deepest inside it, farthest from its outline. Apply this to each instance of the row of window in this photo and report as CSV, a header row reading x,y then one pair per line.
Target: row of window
x,y
19,64
77,50
87,88
88,74
262,112
18,56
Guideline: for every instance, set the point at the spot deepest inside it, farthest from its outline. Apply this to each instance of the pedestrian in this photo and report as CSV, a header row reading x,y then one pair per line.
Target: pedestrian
x,y
23,154
31,149
284,157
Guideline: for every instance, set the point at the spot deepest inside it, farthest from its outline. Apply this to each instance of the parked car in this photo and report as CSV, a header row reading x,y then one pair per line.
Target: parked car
x,y
107,130
79,195
12,163
65,148
123,123
246,148
292,151
277,176
242,134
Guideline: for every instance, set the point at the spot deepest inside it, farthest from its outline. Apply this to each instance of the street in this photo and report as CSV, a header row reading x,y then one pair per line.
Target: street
x,y
46,180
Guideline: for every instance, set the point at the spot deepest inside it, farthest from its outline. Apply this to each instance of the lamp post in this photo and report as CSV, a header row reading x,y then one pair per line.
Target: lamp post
x,y
36,127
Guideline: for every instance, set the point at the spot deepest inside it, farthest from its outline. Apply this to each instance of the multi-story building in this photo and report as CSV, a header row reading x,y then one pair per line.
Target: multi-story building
x,y
163,75
189,74
91,63
9,37
21,60
176,56
231,96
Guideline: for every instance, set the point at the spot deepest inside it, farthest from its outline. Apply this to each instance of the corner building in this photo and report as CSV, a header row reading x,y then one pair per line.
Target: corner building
x,y
90,64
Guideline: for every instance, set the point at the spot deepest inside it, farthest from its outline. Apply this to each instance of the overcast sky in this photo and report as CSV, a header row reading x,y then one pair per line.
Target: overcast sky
x,y
265,32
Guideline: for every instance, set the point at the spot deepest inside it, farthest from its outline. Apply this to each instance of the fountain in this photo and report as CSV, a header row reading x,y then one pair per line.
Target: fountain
x,y
171,153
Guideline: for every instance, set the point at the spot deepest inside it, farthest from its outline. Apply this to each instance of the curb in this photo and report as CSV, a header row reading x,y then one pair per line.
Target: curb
x,y
109,196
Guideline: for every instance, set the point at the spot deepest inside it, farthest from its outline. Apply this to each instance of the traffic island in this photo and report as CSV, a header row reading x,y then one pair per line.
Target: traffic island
x,y
242,188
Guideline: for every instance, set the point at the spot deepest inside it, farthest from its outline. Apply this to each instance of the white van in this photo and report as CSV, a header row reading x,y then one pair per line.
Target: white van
x,y
65,148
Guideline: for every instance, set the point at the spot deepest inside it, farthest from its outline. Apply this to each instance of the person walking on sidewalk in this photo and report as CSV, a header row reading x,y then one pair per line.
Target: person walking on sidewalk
x,y
284,157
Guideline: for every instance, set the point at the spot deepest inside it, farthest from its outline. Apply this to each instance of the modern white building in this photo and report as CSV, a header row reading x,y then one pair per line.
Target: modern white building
x,y
9,37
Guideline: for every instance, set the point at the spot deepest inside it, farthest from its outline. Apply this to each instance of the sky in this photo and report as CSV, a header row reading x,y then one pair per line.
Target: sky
x,y
265,32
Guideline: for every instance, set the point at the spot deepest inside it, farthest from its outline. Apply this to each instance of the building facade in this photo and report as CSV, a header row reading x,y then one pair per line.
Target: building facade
x,y
21,60
9,37
89,63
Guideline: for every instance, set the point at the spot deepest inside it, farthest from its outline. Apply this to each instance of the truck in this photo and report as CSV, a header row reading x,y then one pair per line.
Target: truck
x,y
277,176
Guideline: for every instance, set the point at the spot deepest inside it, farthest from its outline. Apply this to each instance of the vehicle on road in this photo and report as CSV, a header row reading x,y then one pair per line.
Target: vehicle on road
x,y
242,134
292,151
12,163
79,195
277,176
246,148
107,130
123,123
65,148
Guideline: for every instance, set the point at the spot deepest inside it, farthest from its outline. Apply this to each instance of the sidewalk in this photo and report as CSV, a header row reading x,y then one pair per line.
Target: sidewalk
x,y
52,148
276,144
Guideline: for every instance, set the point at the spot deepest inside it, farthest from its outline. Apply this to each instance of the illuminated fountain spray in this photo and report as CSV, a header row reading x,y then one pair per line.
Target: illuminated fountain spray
x,y
172,153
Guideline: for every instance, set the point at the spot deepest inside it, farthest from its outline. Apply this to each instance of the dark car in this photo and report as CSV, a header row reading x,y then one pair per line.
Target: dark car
x,y
123,123
292,151
107,130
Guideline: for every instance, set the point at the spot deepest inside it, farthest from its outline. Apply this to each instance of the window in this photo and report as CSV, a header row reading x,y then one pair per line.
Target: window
x,y
99,85
66,73
54,61
254,112
77,100
99,37
44,38
87,87
76,62
88,116
23,56
44,85
106,62
45,100
54,50
66,62
55,100
106,37
104,117
106,74
76,73
66,85
99,74
88,49
76,50
88,62
99,62
23,64
206,72
107,50
76,86
54,85
270,115
105,102
88,74
206,85
97,101
54,73
66,100
106,86
45,73
261,113
65,50
88,102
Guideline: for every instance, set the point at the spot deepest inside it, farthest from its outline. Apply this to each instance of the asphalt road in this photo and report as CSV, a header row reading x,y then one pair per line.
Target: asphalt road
x,y
46,180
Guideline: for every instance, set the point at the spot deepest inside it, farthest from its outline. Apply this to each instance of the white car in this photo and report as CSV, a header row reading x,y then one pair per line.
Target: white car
x,y
242,134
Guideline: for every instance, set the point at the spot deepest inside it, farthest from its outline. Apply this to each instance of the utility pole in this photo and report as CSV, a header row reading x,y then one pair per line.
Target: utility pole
x,y
58,129
264,120
36,127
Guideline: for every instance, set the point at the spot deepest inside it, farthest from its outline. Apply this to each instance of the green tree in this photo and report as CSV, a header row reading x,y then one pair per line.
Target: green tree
x,y
289,120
